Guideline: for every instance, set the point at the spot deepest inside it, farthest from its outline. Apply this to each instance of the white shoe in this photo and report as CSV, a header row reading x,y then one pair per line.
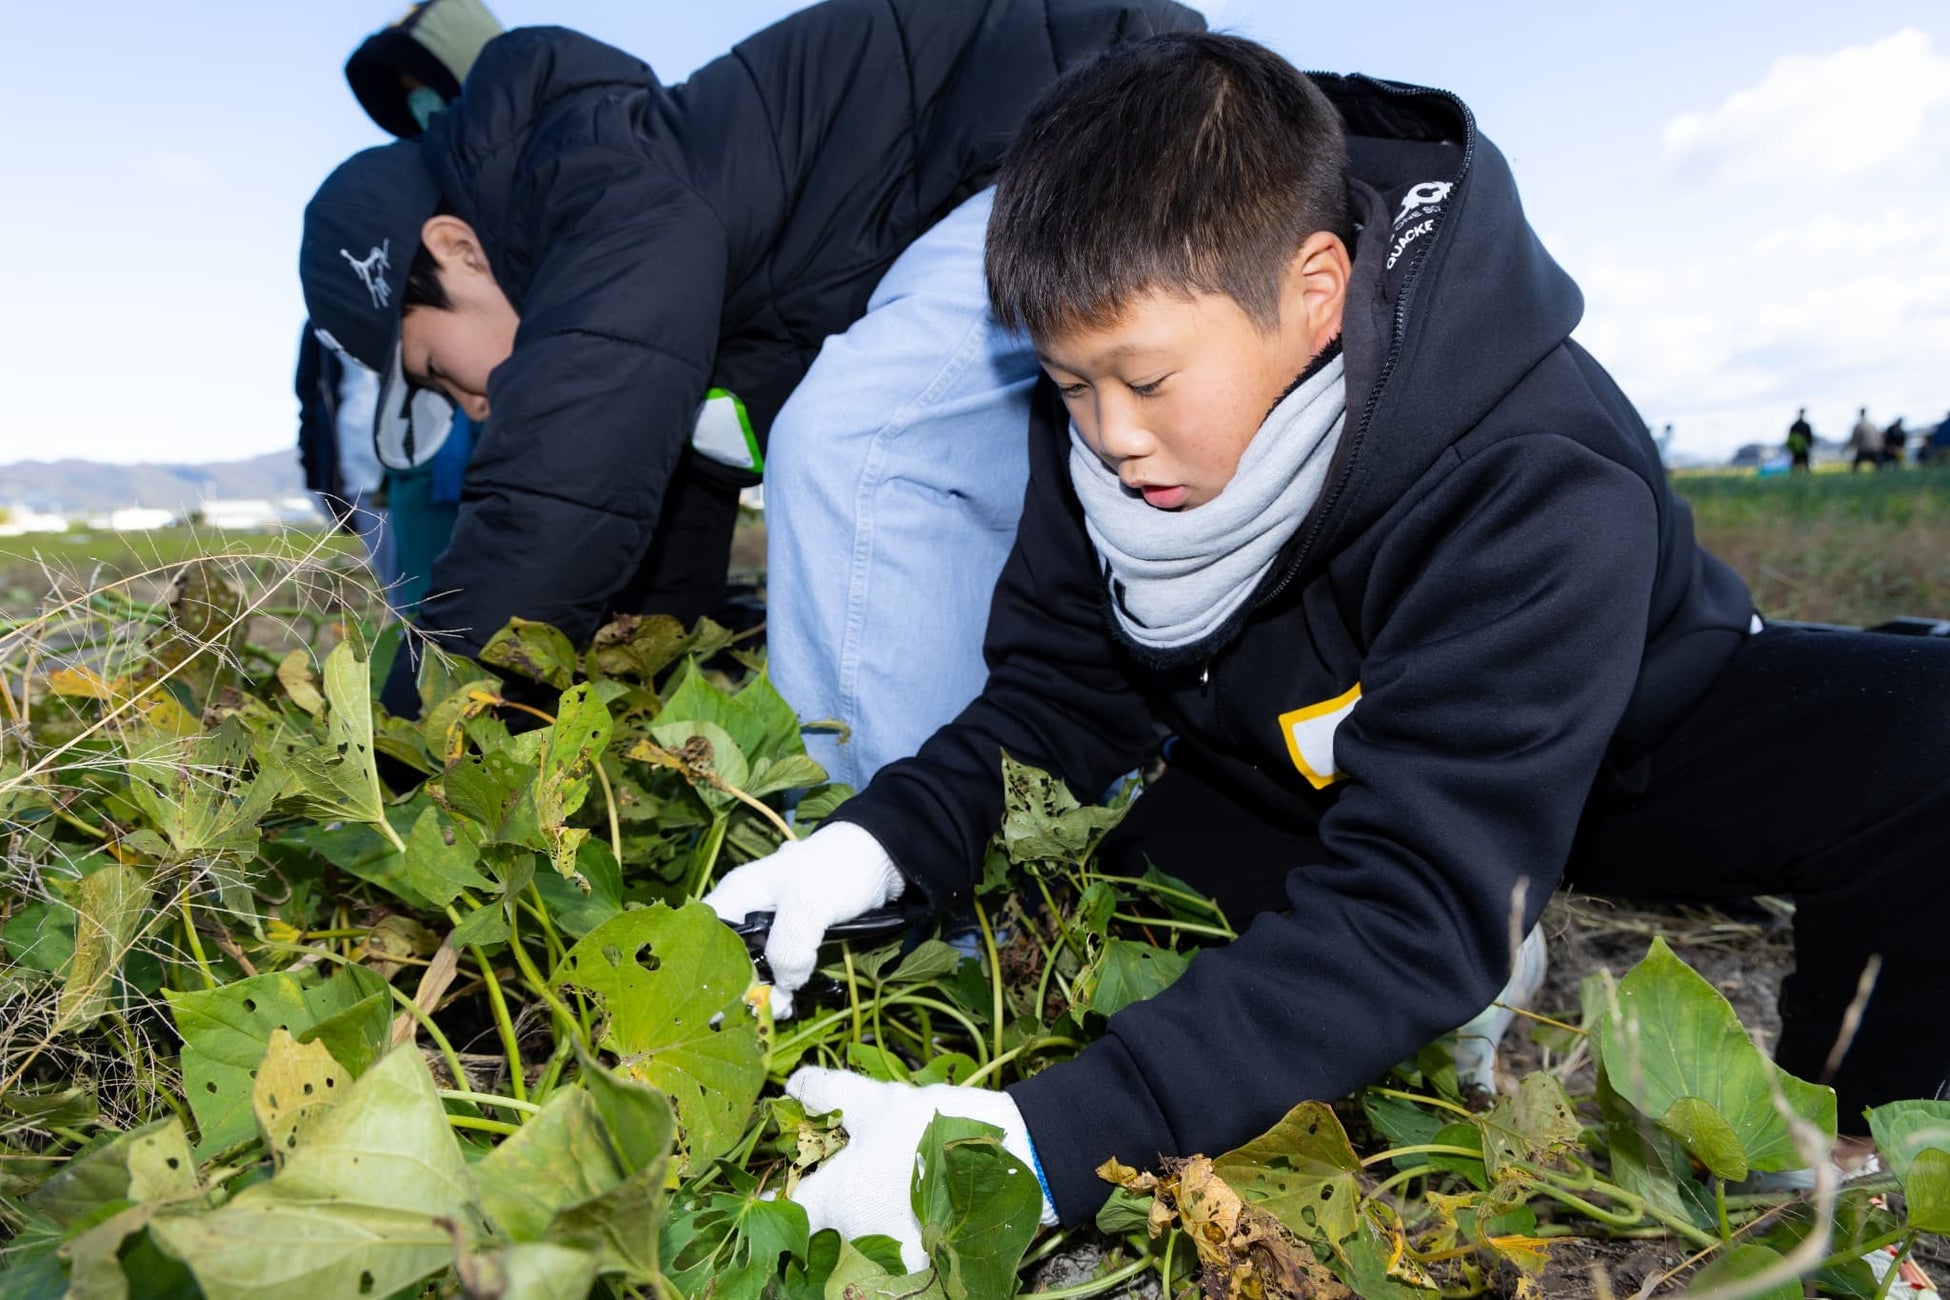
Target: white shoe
x,y
1477,1041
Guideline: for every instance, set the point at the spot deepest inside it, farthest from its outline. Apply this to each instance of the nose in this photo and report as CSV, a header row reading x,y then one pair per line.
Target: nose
x,y
1121,433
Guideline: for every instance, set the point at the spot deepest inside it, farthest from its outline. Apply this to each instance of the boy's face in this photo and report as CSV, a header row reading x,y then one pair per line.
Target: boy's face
x,y
454,350
1170,394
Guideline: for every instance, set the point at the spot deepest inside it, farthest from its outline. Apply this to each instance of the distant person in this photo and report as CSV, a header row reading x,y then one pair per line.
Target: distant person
x,y
1937,449
626,284
1866,442
1800,442
335,408
401,76
1895,442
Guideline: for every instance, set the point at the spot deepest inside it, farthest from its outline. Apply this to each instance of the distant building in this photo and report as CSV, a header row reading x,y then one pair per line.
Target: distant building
x,y
138,519
255,514
16,521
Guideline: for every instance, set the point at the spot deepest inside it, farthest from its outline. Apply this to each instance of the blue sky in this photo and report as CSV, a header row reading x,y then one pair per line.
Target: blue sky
x,y
1755,196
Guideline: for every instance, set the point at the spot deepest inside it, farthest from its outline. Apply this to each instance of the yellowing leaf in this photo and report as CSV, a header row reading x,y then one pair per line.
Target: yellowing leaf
x,y
292,1087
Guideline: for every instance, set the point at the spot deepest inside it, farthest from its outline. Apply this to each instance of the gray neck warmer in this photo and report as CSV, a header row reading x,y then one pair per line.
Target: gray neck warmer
x,y
1177,576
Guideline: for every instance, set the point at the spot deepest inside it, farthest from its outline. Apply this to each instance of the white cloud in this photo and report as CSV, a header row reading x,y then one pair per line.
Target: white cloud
x,y
1814,120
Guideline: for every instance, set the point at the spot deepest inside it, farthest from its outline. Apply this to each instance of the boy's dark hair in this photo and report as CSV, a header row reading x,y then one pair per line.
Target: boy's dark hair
x,y
423,287
1186,163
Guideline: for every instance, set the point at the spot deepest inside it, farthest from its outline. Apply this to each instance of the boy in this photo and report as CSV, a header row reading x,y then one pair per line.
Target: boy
x,y
633,278
1319,481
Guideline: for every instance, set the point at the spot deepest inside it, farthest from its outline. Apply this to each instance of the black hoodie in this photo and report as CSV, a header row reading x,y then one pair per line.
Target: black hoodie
x,y
1495,564
660,241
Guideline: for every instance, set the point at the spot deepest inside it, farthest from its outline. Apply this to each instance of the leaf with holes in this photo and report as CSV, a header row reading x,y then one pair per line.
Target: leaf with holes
x,y
339,779
370,1202
226,1031
1302,1172
569,749
535,650
672,984
296,1084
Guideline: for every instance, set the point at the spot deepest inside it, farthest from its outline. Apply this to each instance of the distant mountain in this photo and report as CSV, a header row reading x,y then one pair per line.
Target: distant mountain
x,y
79,487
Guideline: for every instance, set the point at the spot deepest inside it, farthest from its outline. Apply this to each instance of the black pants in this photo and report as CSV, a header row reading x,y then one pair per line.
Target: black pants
x,y
1818,766
683,574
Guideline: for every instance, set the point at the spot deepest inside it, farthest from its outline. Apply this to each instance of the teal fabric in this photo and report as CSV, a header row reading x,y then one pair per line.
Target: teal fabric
x,y
421,528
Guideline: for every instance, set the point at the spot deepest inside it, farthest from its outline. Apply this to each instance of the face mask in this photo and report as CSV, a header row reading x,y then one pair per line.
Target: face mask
x,y
423,102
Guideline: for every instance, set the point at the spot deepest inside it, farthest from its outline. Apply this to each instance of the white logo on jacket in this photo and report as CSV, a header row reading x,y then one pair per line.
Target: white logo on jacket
x,y
1426,195
372,269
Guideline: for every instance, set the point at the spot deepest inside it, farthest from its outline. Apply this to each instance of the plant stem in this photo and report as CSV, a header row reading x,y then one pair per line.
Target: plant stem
x,y
708,849
509,1043
1720,1208
488,1099
996,1063
1188,927
196,944
1421,1148
533,977
1436,1102
995,972
485,1125
853,994
1406,1175
609,804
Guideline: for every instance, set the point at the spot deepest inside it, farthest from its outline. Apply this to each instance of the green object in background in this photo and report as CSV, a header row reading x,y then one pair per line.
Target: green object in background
x,y
421,528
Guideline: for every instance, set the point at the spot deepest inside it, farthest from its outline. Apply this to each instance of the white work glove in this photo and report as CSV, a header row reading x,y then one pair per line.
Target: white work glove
x,y
866,1187
833,875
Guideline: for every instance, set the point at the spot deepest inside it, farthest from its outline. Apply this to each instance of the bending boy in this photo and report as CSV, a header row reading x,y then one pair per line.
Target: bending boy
x,y
1319,481
626,282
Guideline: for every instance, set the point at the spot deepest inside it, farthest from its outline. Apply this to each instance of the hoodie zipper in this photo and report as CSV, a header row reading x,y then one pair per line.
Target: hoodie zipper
x,y
1409,280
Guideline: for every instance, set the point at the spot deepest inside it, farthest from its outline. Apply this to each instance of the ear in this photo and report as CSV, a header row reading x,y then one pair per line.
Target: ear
x,y
454,246
1315,290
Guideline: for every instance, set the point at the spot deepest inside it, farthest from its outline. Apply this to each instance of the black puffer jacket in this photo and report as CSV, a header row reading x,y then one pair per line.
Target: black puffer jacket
x,y
1496,565
662,241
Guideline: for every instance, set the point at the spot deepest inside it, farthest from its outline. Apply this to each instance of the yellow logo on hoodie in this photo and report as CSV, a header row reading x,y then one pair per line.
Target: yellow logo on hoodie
x,y
1309,734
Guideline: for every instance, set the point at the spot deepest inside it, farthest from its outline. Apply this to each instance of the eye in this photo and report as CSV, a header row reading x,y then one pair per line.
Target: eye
x,y
1072,391
1150,389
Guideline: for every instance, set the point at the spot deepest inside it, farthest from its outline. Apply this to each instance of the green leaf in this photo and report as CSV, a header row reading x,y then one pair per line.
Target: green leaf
x,y
1126,971
1361,1261
637,646
226,1030
978,1206
569,748
1302,1171
108,908
294,1087
534,650
793,772
440,859
40,936
1672,1036
1649,1162
574,911
367,1204
203,796
1536,1124
664,978
492,791
487,924
1043,822
1739,1262
1710,1138
533,1271
1914,1140
706,747
757,719
152,1163
339,779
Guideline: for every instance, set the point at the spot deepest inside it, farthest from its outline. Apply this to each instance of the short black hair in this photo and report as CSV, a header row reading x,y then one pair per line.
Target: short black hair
x,y
1187,163
423,287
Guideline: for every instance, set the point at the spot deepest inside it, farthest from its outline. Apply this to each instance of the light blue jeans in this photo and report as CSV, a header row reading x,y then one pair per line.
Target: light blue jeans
x,y
893,480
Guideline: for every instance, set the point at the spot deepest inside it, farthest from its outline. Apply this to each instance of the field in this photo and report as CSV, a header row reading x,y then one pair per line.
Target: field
x,y
215,910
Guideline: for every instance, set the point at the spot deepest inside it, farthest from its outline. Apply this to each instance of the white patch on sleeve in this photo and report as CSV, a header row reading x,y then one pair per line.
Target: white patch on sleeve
x,y
1309,734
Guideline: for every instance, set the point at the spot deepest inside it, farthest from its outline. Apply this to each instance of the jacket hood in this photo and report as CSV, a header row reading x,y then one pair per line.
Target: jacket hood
x,y
475,149
1452,300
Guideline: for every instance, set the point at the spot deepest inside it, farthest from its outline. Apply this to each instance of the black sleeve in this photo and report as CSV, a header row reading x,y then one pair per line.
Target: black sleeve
x,y
318,443
1505,623
1057,694
590,414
